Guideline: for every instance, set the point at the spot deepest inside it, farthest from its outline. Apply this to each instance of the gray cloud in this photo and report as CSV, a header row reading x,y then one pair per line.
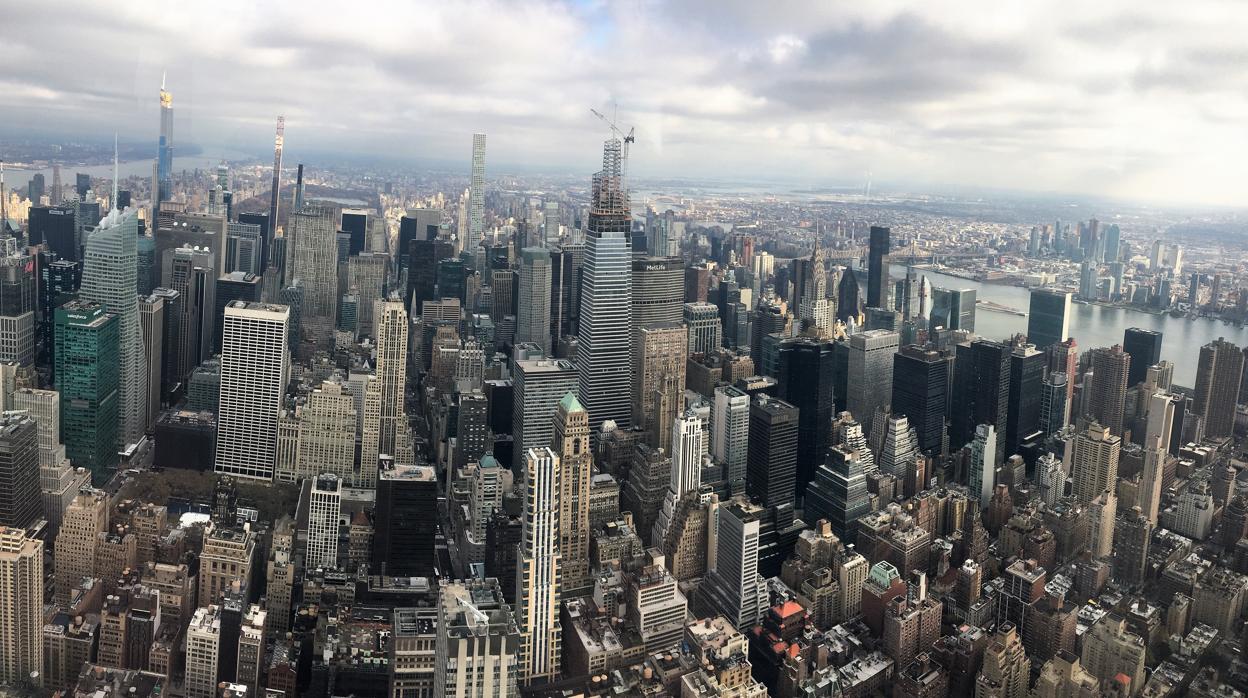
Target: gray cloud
x,y
1048,95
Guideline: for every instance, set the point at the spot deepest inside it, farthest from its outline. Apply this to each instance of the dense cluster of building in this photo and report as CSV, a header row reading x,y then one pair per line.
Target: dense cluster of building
x,y
545,446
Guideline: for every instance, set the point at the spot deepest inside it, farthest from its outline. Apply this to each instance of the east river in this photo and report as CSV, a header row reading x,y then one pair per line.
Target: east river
x,y
1098,326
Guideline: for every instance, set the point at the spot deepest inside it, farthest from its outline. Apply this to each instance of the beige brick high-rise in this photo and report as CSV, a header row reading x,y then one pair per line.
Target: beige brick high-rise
x,y
21,605
75,551
226,558
659,380
327,433
576,464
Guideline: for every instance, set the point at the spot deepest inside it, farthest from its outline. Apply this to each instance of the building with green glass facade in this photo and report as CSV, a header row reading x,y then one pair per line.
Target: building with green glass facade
x,y
88,377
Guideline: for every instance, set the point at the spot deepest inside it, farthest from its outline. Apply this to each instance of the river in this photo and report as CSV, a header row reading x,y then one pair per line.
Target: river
x,y
1099,326
17,179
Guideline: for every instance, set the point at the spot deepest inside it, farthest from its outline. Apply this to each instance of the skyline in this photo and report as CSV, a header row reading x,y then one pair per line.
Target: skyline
x,y
1057,98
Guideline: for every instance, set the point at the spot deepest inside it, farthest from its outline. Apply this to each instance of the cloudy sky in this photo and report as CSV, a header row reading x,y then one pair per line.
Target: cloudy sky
x,y
1143,100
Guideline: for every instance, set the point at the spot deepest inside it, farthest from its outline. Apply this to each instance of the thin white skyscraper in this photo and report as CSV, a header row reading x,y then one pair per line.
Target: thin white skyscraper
x,y
476,198
686,474
255,367
324,510
538,577
110,273
392,328
983,462
730,434
603,342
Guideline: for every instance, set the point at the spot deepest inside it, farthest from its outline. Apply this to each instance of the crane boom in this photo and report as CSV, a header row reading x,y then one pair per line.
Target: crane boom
x,y
626,138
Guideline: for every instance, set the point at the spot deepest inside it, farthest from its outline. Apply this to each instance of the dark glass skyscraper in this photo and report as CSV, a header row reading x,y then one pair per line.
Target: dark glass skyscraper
x,y
1048,317
953,309
1144,346
771,464
805,381
21,502
839,493
921,393
355,224
877,268
88,378
404,542
1027,366
55,226
422,272
847,300
981,392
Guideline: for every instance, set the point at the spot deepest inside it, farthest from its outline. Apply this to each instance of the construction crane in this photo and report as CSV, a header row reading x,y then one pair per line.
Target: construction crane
x,y
626,138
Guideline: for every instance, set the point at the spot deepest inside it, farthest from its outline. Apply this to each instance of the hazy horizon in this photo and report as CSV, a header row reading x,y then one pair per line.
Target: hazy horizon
x,y
1114,101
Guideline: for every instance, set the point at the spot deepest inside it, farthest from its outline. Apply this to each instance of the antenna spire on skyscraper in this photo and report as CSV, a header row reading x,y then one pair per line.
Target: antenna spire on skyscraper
x,y
113,201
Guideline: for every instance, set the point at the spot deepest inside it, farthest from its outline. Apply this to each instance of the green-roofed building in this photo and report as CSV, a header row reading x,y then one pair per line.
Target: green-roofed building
x,y
569,403
88,378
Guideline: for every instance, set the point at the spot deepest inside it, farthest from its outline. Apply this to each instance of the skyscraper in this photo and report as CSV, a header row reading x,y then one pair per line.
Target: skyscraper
x,y
1094,462
164,149
367,273
234,286
815,309
152,322
1027,366
324,511
705,327
658,291
771,466
538,578
539,385
1144,347
266,252
392,329
839,492
576,464
1048,319
404,533
870,372
21,606
1110,368
730,432
476,198
1218,375
192,275
109,277
847,300
533,303
733,587
477,646
87,376
21,502
921,393
878,281
658,381
1007,669
326,446
981,392
898,448
255,368
312,261
18,300
981,472
805,381
953,309
602,350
